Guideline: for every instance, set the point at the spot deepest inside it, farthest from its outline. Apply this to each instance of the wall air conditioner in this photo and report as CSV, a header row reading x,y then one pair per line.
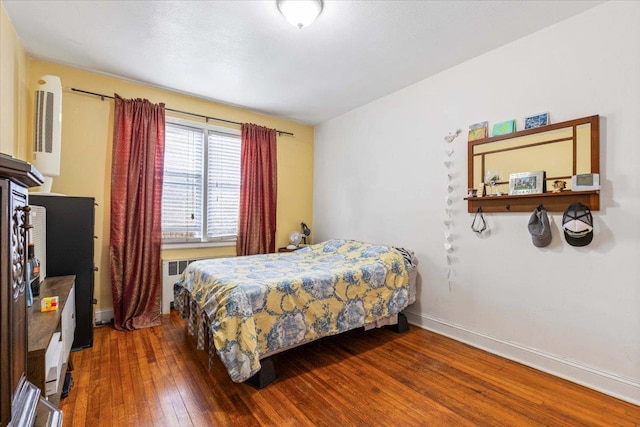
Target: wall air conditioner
x,y
47,132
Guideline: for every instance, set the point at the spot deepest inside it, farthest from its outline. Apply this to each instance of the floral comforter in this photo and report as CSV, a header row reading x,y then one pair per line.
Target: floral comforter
x,y
253,305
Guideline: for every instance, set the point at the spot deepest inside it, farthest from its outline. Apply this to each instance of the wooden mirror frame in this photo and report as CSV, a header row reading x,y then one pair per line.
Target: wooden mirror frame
x,y
537,137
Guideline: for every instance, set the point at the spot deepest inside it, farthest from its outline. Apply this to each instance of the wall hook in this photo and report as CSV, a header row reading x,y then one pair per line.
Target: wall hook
x,y
481,226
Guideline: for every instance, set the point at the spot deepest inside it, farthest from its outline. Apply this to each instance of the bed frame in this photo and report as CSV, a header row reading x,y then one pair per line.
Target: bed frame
x,y
267,374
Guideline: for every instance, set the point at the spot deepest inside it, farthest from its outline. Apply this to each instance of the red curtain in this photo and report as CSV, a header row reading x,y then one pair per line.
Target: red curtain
x,y
136,200
258,191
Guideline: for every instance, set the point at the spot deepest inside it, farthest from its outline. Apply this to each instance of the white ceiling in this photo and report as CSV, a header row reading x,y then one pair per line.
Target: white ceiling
x,y
245,53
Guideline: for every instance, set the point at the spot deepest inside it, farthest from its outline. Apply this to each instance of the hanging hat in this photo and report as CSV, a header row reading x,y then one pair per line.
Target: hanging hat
x,y
577,224
539,227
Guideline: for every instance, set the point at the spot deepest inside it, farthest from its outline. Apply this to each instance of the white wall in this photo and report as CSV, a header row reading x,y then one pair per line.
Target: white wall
x,y
379,176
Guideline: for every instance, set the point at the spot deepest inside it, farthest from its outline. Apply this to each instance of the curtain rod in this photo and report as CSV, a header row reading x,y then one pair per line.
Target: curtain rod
x,y
207,118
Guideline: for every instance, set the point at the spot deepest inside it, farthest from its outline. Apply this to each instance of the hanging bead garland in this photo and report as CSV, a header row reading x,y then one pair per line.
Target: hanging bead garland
x,y
448,219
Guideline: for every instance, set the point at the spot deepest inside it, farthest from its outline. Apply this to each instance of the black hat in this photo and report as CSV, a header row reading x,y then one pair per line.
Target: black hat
x,y
577,224
539,227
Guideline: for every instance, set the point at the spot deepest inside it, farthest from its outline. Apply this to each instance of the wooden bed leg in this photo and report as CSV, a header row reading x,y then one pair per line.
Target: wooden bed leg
x,y
265,376
402,326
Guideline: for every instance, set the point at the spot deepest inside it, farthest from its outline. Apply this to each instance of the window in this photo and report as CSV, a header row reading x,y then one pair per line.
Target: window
x,y
201,191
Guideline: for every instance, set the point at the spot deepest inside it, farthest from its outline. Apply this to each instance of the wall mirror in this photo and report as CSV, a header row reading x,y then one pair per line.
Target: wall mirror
x,y
561,150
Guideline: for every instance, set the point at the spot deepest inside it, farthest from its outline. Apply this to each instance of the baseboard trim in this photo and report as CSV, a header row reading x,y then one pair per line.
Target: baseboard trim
x,y
104,316
626,389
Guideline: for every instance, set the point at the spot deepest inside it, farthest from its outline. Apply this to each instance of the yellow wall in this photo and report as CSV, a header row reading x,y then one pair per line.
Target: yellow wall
x,y
13,90
87,133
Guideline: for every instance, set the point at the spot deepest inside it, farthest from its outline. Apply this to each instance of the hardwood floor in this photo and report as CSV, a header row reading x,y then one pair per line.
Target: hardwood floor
x,y
155,377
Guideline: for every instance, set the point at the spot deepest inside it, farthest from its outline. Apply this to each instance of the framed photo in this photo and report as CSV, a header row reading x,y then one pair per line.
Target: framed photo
x,y
526,183
536,121
478,131
477,134
504,128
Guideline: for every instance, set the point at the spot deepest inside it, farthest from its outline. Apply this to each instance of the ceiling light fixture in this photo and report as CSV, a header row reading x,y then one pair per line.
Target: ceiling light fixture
x,y
300,13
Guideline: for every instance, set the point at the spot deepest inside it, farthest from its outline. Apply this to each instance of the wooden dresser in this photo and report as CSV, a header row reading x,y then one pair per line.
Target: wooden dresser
x,y
51,336
20,401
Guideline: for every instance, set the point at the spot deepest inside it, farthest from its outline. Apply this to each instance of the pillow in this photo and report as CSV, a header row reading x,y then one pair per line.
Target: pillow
x,y
409,256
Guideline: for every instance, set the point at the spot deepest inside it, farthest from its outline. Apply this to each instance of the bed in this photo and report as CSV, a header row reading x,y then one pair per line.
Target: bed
x,y
253,307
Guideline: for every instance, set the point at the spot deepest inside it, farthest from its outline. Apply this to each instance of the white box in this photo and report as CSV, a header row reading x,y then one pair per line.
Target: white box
x,y
53,364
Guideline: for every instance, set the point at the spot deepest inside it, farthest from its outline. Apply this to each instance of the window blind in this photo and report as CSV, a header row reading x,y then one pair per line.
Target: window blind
x,y
223,184
201,191
182,188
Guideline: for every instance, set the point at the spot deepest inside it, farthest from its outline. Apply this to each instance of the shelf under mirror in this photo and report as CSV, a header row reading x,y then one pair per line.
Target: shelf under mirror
x,y
561,150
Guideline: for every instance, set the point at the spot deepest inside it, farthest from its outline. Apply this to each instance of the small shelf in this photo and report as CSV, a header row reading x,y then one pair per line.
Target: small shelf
x,y
561,150
553,202
50,337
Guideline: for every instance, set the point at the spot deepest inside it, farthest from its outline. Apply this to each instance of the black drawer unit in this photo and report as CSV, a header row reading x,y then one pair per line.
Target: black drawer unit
x,y
70,251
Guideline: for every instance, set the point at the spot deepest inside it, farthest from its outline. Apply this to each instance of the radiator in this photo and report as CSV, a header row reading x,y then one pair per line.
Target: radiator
x,y
171,271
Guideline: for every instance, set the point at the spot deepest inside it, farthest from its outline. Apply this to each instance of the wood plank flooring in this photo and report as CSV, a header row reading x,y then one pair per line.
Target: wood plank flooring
x,y
156,377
